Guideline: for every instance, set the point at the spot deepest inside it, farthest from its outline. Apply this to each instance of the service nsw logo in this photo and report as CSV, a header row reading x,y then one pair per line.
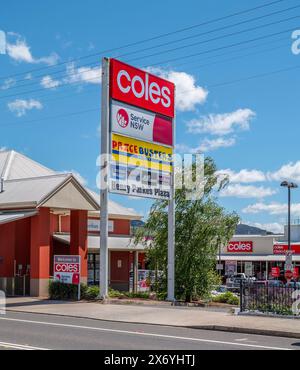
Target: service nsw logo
x,y
141,124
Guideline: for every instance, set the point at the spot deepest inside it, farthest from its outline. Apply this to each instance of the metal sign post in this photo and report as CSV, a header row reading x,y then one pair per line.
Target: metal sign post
x,y
104,180
137,147
171,231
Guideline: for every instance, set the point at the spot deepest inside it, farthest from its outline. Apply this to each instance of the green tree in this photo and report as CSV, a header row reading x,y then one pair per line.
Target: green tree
x,y
202,225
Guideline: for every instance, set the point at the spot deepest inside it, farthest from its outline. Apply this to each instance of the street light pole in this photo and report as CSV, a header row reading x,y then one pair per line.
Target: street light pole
x,y
289,186
289,218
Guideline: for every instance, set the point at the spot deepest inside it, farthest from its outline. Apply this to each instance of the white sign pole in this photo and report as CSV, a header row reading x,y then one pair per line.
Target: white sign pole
x,y
104,180
171,229
79,283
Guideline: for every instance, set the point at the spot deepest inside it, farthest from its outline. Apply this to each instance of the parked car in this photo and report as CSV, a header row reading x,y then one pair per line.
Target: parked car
x,y
235,280
220,289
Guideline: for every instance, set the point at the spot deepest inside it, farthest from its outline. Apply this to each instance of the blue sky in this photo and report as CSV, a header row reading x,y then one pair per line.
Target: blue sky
x,y
247,122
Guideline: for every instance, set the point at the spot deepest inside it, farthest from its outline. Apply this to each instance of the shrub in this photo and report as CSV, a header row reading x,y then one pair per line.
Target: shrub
x,y
116,294
91,293
227,297
61,291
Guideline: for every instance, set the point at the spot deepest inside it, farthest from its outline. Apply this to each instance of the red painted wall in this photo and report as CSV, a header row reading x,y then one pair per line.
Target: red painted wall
x,y
40,245
7,249
121,227
23,243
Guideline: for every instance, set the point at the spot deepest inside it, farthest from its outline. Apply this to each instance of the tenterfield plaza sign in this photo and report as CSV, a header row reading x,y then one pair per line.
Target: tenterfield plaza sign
x,y
137,143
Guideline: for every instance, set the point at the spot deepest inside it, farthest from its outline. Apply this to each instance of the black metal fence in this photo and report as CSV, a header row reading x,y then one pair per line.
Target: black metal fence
x,y
269,297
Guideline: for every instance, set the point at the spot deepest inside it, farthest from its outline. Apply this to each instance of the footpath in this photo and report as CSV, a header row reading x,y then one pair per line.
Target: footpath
x,y
161,314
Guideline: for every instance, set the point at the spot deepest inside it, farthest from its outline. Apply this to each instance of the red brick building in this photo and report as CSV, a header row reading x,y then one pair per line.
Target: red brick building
x,y
44,213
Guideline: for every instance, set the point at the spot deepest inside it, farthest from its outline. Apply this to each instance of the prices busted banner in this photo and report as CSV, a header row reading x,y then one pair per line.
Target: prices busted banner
x,y
140,168
141,132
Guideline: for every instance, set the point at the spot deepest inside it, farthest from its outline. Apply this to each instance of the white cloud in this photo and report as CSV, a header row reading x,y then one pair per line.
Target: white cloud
x,y
272,208
243,176
20,51
8,83
222,124
290,171
188,93
246,191
273,227
49,83
92,75
20,106
209,145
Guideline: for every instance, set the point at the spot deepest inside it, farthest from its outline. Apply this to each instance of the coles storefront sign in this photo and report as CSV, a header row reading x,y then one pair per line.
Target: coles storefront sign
x,y
67,269
240,247
144,90
141,124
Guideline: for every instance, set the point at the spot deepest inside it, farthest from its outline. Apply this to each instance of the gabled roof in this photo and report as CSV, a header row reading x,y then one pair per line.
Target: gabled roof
x,y
14,165
27,182
46,191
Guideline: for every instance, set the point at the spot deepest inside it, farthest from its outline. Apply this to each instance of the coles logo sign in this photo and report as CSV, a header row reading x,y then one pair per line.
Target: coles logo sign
x,y
142,89
67,269
240,247
122,118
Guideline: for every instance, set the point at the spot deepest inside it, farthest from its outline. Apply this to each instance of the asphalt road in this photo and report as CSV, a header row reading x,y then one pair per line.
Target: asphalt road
x,y
36,331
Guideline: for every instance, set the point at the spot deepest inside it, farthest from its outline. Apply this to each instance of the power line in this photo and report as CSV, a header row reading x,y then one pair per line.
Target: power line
x,y
183,92
148,39
222,47
179,58
230,52
163,62
198,66
214,39
253,77
240,56
168,43
53,117
221,29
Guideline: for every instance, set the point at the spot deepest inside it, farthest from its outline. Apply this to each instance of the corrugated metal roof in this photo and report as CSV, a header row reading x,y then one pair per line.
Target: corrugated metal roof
x,y
14,165
38,182
114,242
29,192
14,216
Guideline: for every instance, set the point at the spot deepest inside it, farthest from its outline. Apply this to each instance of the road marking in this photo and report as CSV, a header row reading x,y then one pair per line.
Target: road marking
x,y
21,346
144,334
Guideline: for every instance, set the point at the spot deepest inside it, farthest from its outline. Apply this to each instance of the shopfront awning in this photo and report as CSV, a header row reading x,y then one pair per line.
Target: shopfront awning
x,y
114,242
15,216
257,258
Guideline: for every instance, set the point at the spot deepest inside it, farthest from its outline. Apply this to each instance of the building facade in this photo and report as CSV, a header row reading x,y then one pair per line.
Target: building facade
x,y
44,213
260,255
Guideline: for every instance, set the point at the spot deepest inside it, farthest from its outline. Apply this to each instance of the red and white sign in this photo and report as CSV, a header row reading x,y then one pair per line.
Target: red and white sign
x,y
240,247
140,124
67,269
288,274
283,248
296,272
142,89
275,272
